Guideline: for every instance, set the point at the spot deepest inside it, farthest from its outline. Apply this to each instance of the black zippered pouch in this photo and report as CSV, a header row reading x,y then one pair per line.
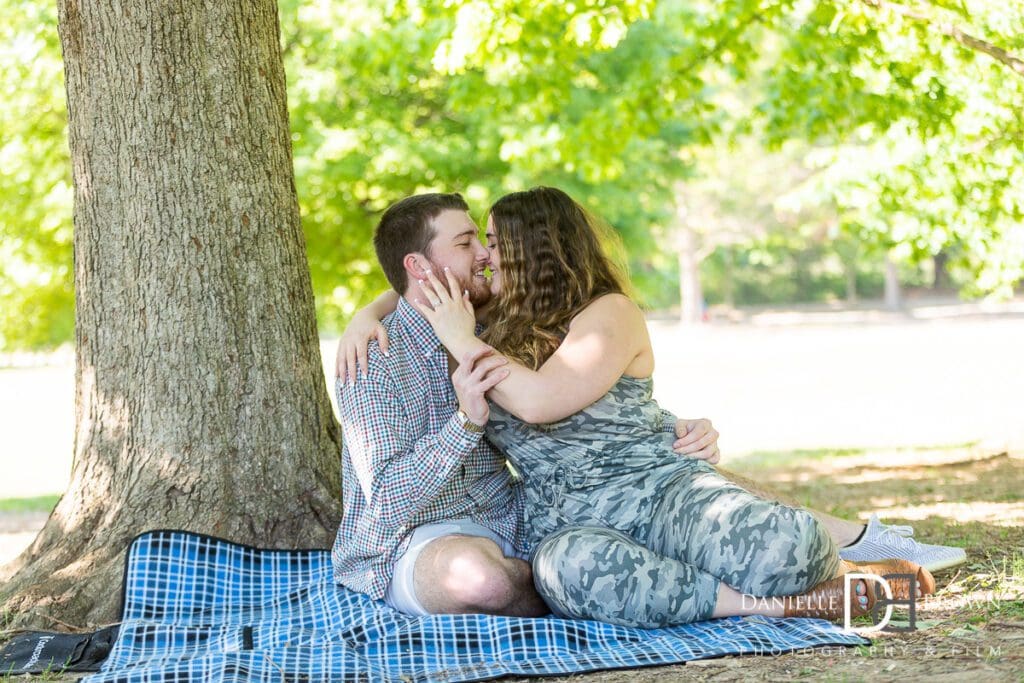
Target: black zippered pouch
x,y
36,652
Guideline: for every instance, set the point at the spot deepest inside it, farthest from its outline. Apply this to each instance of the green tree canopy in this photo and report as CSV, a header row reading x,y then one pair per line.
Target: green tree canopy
x,y
909,119
36,296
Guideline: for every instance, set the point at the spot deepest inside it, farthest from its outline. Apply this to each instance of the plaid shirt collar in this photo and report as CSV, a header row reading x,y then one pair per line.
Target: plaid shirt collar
x,y
421,334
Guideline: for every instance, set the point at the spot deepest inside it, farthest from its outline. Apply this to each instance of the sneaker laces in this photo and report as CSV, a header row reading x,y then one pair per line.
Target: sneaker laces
x,y
903,532
900,529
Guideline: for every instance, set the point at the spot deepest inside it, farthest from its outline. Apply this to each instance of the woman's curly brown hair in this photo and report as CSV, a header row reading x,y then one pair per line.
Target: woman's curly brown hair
x,y
552,267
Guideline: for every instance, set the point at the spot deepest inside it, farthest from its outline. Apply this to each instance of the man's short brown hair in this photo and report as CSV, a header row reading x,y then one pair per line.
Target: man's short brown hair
x,y
406,228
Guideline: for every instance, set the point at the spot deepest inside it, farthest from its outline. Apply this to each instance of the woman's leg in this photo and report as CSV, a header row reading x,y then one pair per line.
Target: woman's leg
x,y
758,547
603,574
843,531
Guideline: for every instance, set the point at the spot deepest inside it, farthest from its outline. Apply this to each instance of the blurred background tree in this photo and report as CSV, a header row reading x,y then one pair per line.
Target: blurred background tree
x,y
36,296
747,151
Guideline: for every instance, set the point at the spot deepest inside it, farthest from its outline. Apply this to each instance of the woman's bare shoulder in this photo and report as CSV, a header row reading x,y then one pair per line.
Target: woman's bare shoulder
x,y
614,307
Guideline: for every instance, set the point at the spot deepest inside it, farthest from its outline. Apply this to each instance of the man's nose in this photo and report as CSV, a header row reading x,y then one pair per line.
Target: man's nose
x,y
483,257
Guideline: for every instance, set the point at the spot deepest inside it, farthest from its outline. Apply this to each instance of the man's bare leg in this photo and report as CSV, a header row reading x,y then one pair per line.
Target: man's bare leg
x,y
843,532
470,575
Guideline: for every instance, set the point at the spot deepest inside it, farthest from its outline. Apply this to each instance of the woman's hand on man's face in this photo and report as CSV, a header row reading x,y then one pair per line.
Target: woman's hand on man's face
x,y
447,308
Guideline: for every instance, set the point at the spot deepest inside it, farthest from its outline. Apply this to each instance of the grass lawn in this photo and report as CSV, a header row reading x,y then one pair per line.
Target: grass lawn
x,y
34,504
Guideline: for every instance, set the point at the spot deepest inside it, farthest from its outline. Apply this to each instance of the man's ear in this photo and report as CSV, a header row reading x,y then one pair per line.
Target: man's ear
x,y
416,265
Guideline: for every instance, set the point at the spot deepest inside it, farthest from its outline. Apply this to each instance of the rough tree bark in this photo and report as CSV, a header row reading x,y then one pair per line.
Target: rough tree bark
x,y
200,398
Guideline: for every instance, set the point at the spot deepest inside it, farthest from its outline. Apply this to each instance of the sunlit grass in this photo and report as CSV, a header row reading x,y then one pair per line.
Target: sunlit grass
x,y
759,459
773,458
34,504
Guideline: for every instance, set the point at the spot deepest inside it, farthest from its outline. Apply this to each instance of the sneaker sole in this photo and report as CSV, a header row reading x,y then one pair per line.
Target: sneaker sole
x,y
944,564
935,566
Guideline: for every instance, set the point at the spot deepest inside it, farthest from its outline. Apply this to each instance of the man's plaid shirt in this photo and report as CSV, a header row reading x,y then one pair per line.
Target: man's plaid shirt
x,y
406,460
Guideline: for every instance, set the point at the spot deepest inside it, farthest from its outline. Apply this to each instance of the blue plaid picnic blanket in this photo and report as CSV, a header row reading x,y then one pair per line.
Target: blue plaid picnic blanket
x,y
198,608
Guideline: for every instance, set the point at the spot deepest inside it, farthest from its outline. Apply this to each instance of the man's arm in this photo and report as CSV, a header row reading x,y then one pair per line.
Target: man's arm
x,y
399,475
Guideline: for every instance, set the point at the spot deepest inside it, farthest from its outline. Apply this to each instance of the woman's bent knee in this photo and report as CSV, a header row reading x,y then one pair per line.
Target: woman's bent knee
x,y
599,573
560,566
798,555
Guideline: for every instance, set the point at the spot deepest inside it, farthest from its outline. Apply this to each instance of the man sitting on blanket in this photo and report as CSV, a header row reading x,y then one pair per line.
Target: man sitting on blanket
x,y
432,518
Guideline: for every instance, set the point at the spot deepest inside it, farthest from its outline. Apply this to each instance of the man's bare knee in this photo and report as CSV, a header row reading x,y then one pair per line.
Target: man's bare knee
x,y
459,574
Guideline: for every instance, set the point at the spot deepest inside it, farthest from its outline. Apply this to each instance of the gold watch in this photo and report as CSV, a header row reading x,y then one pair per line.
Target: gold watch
x,y
468,424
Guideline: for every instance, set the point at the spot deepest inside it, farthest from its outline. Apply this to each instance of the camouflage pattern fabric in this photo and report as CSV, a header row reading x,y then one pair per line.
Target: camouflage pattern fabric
x,y
627,532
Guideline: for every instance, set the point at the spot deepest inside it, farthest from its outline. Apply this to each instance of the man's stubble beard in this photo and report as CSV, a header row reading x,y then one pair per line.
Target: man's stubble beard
x,y
480,295
479,290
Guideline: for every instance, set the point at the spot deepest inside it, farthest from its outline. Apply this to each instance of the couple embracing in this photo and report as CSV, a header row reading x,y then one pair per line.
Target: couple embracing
x,y
616,511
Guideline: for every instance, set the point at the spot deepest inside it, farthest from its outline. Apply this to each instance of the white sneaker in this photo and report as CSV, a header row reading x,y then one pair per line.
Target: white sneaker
x,y
890,541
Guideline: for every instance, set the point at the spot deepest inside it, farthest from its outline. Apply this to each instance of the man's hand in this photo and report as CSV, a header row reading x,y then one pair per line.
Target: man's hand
x,y
697,439
477,373
352,346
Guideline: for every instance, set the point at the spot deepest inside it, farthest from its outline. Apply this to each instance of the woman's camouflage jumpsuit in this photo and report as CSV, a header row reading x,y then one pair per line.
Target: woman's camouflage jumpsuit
x,y
626,531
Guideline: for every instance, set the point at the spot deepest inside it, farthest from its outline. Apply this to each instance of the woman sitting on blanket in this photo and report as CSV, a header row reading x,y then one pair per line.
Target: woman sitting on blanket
x,y
623,529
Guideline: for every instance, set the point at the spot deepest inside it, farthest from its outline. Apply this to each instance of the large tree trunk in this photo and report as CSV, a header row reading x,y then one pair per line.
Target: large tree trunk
x,y
200,398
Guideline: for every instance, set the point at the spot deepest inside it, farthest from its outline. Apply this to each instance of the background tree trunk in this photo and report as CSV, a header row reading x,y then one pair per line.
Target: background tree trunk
x,y
851,283
893,295
940,276
729,277
691,295
200,400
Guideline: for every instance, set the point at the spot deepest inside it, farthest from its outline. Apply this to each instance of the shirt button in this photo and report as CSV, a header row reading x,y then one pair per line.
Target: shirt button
x,y
402,529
